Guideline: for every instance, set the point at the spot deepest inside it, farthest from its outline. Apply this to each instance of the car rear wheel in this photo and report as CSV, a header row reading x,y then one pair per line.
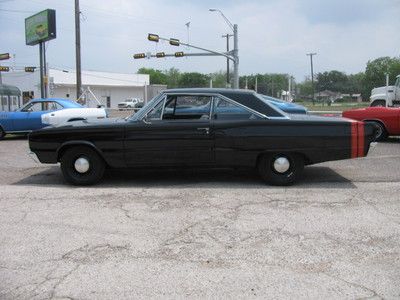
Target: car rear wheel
x,y
280,168
381,132
82,166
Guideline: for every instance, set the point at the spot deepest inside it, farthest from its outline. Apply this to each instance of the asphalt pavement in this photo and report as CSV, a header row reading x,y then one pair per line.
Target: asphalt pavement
x,y
201,233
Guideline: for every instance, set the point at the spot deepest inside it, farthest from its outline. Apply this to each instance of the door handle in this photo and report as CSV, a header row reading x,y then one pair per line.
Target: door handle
x,y
205,129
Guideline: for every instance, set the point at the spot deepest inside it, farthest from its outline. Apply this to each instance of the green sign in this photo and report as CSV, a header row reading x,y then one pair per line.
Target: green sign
x,y
40,27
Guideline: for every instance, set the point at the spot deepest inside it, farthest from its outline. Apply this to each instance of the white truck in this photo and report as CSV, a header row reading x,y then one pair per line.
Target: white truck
x,y
388,95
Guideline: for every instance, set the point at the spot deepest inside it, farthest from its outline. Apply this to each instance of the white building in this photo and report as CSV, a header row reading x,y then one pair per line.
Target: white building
x,y
109,88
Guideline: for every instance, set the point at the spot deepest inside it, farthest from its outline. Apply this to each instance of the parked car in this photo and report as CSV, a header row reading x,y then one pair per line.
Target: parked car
x,y
288,107
387,119
39,113
131,103
238,129
29,117
73,114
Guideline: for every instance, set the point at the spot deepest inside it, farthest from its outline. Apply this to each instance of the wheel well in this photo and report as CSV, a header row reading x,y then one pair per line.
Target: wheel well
x,y
307,161
64,148
378,100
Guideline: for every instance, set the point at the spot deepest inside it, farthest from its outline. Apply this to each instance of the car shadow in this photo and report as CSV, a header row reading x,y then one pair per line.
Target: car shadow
x,y
15,137
392,140
313,177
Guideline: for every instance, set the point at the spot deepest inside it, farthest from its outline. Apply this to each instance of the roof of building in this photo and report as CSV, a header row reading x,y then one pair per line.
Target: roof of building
x,y
95,78
9,90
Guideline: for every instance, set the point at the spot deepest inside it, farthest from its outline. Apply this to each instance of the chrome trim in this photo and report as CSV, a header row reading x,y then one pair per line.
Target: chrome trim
x,y
213,95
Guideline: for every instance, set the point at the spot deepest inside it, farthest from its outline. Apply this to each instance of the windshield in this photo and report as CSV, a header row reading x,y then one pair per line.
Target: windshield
x,y
138,115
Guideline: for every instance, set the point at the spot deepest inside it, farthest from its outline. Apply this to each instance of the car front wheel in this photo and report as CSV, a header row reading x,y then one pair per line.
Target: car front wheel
x,y
2,133
82,165
280,168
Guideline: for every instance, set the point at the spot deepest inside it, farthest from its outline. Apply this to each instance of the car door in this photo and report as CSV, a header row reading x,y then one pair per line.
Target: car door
x,y
236,129
175,132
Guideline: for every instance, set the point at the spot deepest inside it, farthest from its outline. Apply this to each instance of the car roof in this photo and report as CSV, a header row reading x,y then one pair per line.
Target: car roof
x,y
247,98
64,102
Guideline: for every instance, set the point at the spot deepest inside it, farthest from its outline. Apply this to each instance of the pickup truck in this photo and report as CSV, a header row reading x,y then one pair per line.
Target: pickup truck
x,y
386,95
130,103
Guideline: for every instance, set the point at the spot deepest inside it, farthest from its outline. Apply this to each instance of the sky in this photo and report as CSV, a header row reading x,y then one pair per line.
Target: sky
x,y
274,36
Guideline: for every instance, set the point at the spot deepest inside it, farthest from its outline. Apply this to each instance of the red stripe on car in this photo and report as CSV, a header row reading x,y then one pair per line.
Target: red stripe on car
x,y
354,140
360,139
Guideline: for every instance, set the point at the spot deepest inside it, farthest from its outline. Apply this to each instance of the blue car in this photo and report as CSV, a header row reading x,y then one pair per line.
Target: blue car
x,y
28,117
288,107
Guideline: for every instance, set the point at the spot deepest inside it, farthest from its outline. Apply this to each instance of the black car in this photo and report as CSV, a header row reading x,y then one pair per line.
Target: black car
x,y
202,128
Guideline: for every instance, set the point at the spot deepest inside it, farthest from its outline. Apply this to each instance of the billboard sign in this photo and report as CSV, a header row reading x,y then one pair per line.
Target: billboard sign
x,y
40,27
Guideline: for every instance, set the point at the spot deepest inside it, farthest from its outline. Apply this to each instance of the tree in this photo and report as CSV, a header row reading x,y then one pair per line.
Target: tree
x,y
173,76
334,81
156,76
376,70
193,79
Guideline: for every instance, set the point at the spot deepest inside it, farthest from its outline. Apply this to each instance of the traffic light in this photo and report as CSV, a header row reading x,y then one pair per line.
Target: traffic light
x,y
139,55
174,42
4,69
179,54
160,54
30,69
4,56
153,37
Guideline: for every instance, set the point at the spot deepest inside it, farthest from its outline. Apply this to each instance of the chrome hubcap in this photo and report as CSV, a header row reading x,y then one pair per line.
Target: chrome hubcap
x,y
281,164
378,132
81,165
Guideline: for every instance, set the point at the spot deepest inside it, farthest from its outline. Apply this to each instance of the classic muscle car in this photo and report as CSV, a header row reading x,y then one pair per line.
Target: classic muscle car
x,y
387,119
39,113
288,107
202,127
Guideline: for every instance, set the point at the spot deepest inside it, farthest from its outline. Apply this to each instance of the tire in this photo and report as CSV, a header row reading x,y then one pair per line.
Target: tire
x,y
2,133
77,172
378,103
280,168
381,133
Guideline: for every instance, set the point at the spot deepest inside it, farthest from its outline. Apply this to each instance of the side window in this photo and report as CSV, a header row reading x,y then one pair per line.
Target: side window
x,y
156,112
33,107
187,107
225,110
52,106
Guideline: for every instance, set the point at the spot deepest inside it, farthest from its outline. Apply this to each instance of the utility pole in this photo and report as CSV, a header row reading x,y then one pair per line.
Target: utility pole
x,y
235,53
78,49
312,75
235,57
228,81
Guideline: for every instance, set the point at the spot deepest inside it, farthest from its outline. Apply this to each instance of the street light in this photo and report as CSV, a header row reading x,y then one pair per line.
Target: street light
x,y
235,55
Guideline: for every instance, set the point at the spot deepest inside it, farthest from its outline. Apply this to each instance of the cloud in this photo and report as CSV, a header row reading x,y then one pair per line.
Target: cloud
x,y
274,36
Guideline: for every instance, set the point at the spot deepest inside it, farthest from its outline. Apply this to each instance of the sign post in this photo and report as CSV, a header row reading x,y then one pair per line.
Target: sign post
x,y
39,29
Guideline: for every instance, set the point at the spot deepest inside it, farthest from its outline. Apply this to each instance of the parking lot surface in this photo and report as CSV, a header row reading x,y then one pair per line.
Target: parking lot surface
x,y
199,233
